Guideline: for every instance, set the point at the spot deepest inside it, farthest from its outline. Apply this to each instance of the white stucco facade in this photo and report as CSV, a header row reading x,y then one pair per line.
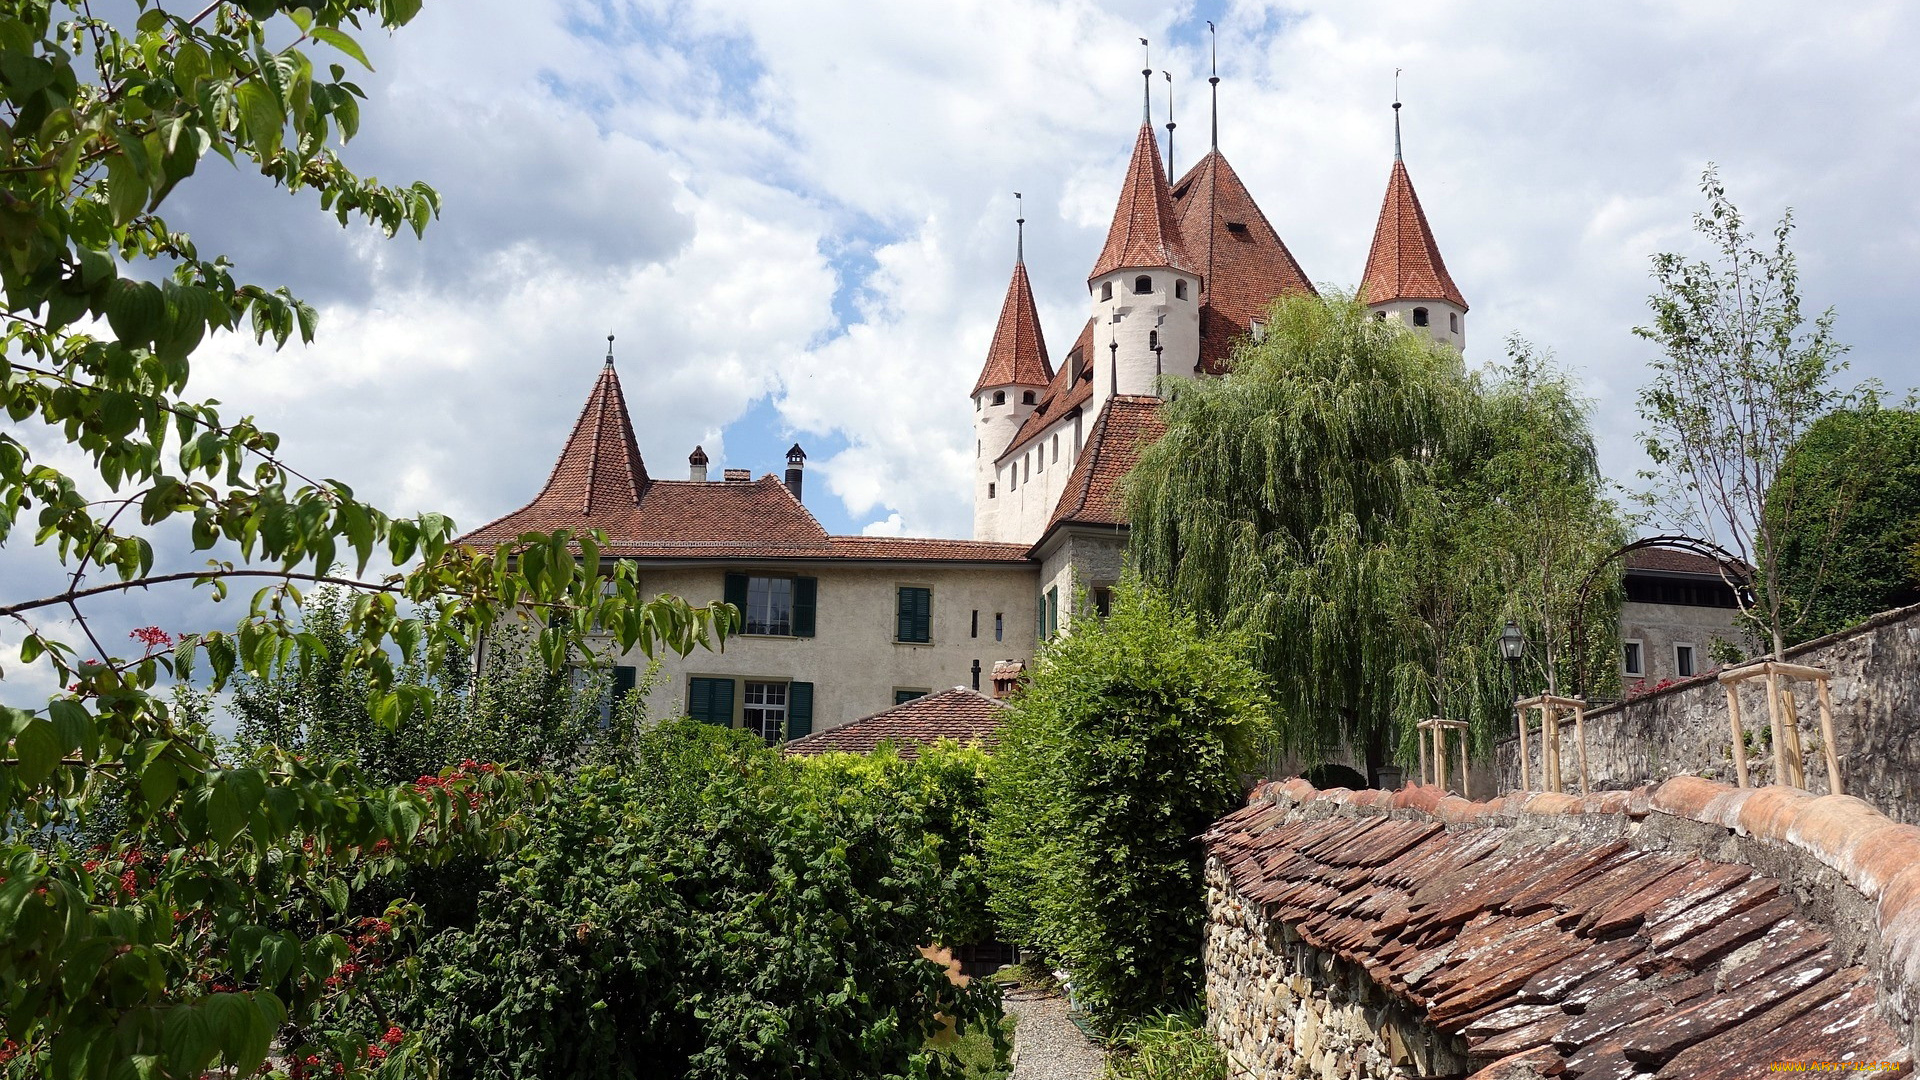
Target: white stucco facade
x,y
1446,323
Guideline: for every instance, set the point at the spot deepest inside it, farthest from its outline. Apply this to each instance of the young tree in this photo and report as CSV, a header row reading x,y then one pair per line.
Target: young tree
x,y
1740,377
214,919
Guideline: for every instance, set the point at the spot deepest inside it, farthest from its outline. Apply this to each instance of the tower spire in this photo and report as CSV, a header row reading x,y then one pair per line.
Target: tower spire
x,y
1396,114
1213,81
1020,225
1170,124
1146,91
609,350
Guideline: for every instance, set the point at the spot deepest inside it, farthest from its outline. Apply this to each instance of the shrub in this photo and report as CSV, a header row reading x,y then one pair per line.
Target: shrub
x,y
702,915
1131,739
1170,1046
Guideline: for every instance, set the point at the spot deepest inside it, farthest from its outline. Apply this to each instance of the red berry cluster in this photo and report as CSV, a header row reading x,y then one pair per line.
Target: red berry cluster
x,y
152,637
8,1051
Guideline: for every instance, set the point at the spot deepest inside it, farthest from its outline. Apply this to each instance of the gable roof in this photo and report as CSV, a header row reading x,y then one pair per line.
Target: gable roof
x,y
963,715
1127,424
1144,231
1405,262
1018,355
1244,263
1071,388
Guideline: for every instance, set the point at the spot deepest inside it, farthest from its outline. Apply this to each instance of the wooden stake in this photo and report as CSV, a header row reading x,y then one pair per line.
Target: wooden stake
x,y
1440,756
1421,727
1550,747
1790,718
1739,733
1777,728
1521,715
1465,788
1826,737
1580,737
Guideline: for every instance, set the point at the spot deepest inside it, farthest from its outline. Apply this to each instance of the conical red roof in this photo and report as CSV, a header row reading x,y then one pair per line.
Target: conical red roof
x,y
600,470
1245,263
1144,232
1018,355
1405,263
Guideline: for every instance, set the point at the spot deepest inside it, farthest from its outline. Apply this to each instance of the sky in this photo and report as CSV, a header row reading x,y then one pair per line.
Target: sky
x,y
797,219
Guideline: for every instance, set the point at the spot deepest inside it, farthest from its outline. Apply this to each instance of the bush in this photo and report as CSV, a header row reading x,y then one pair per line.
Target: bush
x,y
1130,741
1171,1046
944,792
704,915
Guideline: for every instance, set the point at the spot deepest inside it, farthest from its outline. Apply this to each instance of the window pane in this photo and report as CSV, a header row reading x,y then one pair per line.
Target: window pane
x,y
780,606
765,711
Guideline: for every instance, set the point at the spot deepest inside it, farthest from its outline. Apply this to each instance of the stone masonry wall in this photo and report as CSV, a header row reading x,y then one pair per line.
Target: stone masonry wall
x,y
1684,730
1283,1009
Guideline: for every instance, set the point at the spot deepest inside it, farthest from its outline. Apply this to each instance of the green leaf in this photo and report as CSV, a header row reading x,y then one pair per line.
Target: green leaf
x,y
224,815
126,189
134,310
158,783
37,749
342,42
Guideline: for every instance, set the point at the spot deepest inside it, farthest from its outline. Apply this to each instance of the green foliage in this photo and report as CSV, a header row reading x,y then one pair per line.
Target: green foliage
x,y
942,792
1740,376
215,916
1374,514
706,915
1133,737
1845,513
1169,1046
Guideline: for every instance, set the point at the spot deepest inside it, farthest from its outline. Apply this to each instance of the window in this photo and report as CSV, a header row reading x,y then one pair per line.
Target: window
x,y
774,606
1180,289
764,710
612,692
1632,659
1026,398
1257,330
902,695
1053,611
1683,660
1380,316
1106,290
1142,284
999,626
1026,467
989,489
1453,322
914,614
975,632
710,701
1103,601
1056,447
1013,477
1419,316
999,397
1040,459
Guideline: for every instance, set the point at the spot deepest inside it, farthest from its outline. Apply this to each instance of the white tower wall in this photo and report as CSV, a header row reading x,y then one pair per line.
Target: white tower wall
x,y
1446,323
993,430
1134,321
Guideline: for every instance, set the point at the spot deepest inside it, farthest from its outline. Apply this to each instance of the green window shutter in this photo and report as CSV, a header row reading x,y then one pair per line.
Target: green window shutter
x,y
1053,611
737,594
915,614
710,701
799,709
806,592
903,610
1040,618
624,678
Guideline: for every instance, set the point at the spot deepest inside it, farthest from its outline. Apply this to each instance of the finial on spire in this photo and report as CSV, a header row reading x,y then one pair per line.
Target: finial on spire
x,y
1020,224
1396,114
1146,77
1170,124
609,349
1213,80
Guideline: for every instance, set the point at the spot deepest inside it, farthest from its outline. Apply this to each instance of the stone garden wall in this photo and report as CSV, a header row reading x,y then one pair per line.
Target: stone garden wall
x,y
1684,731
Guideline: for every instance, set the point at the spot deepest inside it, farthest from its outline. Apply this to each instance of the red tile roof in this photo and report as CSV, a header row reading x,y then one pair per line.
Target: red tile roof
x,y
1405,262
1244,262
1126,425
1018,355
960,714
599,470
1144,231
1072,387
1586,950
1670,561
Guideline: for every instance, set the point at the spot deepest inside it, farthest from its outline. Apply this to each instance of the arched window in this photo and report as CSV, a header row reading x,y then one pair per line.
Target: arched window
x,y
1380,316
1419,316
1453,322
1106,290
999,397
1180,289
1056,448
1026,398
1143,284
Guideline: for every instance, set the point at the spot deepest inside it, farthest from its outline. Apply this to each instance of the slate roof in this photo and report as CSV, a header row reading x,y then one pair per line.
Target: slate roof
x,y
1244,263
960,714
600,483
1127,424
1404,262
1018,354
1144,231
1573,952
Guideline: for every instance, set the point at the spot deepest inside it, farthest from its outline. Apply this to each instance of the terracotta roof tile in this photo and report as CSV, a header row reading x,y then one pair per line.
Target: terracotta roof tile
x,y
1244,264
1126,425
1405,262
960,714
1670,561
1072,387
1018,354
1144,231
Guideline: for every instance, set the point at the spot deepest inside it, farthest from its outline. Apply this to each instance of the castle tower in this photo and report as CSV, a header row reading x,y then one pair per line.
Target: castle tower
x,y
1016,373
1406,278
1145,288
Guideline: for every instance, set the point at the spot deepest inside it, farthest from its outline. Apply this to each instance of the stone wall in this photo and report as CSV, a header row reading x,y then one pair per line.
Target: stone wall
x,y
1282,1008
1684,730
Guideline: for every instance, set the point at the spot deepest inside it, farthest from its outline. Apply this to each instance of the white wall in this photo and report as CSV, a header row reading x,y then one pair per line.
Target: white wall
x,y
1441,319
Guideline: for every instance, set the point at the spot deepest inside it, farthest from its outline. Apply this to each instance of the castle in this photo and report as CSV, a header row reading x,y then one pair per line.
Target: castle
x,y
840,627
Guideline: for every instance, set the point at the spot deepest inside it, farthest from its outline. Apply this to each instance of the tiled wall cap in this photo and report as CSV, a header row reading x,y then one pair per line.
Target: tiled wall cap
x,y
1550,802
1879,854
1423,797
1686,796
1769,810
1831,826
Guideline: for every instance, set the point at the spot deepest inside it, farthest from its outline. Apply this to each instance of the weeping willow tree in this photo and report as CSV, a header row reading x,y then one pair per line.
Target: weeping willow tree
x,y
1361,503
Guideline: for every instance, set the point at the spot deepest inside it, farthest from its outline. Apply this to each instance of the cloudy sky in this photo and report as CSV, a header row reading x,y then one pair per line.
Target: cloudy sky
x,y
797,218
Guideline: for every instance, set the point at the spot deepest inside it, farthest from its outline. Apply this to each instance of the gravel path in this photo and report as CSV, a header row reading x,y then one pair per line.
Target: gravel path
x,y
1046,1045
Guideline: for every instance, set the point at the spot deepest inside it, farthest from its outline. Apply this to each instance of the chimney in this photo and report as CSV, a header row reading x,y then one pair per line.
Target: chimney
x,y
697,466
738,476
796,462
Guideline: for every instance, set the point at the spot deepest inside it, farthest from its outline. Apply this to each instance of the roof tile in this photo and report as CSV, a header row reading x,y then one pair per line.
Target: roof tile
x,y
960,714
1144,231
1405,262
1018,354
